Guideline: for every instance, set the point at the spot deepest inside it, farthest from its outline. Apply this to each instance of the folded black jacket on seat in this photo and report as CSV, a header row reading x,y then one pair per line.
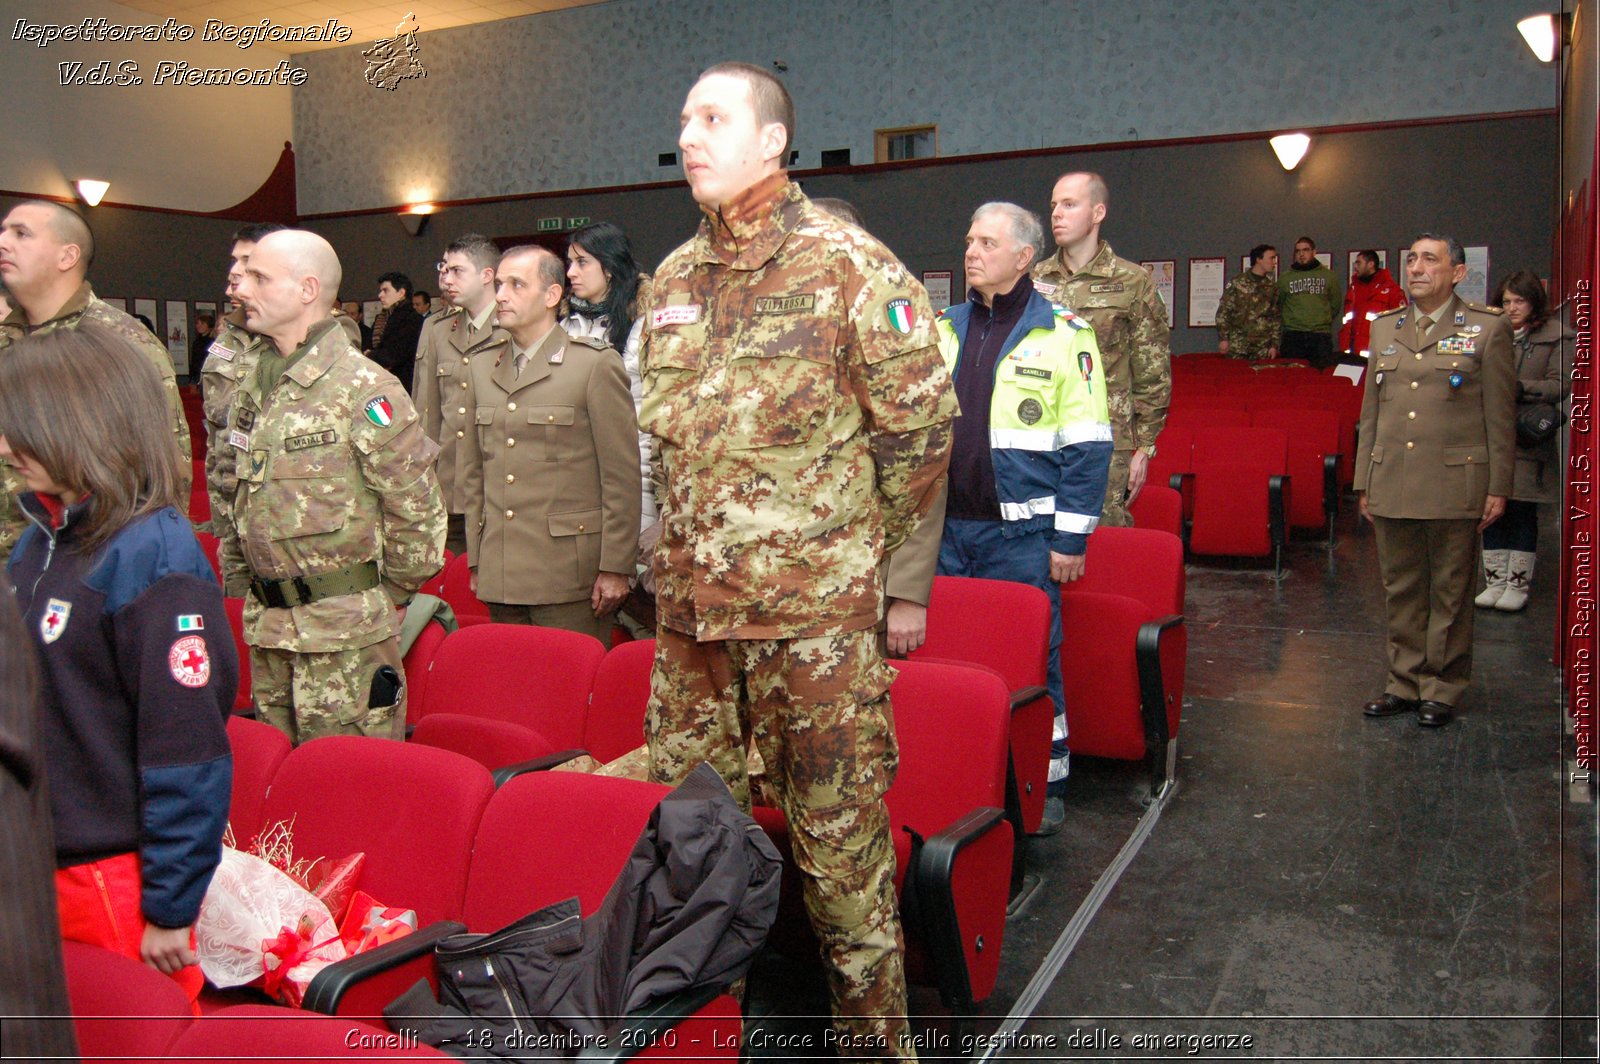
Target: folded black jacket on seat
x,y
690,909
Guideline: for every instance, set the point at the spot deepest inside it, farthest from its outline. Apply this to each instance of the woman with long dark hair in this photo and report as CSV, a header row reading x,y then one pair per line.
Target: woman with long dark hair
x,y
606,291
125,617
1543,351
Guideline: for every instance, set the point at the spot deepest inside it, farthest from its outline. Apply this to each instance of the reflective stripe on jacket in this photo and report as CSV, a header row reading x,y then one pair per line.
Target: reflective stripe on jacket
x,y
1049,432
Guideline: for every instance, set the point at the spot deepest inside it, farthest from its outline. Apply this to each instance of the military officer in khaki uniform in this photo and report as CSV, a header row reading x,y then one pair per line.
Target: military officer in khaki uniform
x,y
45,253
1434,464
549,467
336,515
449,338
1130,324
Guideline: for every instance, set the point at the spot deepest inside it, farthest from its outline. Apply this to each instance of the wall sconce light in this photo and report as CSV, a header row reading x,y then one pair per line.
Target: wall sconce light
x,y
1545,34
415,216
1290,148
92,191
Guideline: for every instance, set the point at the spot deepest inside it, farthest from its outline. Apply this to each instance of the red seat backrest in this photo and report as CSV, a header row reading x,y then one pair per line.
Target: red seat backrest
x,y
1241,448
258,750
455,587
940,779
999,623
1158,507
549,836
617,704
413,810
522,674
1145,564
122,1009
418,662
1307,429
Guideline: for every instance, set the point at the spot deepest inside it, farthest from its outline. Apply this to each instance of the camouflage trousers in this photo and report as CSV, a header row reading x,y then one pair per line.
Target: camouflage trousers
x,y
818,711
309,695
1115,510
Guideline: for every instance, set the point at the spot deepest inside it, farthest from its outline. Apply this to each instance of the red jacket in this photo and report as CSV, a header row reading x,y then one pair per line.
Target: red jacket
x,y
1363,301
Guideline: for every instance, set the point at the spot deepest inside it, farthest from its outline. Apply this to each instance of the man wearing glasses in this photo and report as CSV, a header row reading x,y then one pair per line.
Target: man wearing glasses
x,y
449,339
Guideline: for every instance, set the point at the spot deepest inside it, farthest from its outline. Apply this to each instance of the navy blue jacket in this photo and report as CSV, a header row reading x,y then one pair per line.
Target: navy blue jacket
x,y
138,673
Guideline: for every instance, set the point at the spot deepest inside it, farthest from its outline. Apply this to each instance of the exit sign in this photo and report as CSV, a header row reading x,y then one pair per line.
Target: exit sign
x,y
574,223
549,224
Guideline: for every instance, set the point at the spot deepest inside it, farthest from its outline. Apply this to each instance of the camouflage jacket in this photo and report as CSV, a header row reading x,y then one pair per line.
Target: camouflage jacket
x,y
793,381
1130,323
1247,316
86,306
230,360
332,470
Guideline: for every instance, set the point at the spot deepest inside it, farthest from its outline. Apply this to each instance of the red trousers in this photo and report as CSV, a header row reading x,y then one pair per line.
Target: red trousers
x,y
99,904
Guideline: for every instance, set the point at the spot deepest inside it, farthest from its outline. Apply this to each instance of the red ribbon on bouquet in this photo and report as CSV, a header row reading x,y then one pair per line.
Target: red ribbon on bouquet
x,y
291,948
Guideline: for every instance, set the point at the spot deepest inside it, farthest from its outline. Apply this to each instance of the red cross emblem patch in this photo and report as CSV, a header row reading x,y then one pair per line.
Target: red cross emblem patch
x,y
54,621
189,662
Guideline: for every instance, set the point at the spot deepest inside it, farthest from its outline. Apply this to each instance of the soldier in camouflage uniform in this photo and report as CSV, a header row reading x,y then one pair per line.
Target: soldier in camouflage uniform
x,y
45,252
336,515
1248,322
1130,322
792,380
230,360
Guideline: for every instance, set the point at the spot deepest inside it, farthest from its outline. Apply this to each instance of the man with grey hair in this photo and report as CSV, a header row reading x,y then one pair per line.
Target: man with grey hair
x,y
1130,322
1033,445
1434,465
337,518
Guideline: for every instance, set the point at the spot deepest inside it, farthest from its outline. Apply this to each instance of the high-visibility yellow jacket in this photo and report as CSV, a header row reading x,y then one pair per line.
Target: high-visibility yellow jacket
x,y
1049,432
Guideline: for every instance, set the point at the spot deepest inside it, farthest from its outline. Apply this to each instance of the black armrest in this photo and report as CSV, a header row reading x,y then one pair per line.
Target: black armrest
x,y
329,986
1330,484
542,763
1024,696
1153,696
1175,481
651,1026
941,923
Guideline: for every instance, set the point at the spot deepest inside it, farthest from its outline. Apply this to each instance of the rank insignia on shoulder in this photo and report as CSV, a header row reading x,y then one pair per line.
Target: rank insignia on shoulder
x,y
557,356
1461,317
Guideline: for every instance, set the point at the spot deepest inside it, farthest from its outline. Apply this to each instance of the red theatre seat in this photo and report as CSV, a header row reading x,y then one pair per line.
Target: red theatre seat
x,y
1240,486
1125,684
1313,436
1158,506
258,750
456,589
617,704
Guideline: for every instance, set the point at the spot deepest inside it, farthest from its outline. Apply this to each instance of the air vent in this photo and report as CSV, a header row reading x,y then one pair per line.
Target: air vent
x,y
667,158
836,157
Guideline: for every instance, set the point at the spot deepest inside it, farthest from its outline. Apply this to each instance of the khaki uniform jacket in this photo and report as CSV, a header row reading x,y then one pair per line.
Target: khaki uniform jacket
x,y
549,471
1428,450
333,470
439,387
86,306
1120,300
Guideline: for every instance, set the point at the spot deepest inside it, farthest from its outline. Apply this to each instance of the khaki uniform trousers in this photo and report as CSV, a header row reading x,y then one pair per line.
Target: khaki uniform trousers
x,y
571,616
1429,568
818,711
308,695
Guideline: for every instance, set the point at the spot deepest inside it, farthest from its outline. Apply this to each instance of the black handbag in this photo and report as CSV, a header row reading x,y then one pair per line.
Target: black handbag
x,y
1537,423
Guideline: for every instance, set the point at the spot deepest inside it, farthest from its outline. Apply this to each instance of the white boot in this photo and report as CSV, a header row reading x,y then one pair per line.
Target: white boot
x,y
1494,577
1519,575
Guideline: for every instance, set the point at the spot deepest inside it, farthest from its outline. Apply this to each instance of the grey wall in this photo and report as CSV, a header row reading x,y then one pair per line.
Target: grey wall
x,y
587,97
1489,182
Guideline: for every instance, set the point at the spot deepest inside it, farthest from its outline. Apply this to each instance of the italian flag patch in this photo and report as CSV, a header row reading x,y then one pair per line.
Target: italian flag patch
x,y
380,413
898,311
191,622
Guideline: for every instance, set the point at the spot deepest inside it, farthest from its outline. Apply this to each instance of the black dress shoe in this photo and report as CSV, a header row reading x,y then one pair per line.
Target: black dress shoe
x,y
1389,706
1435,714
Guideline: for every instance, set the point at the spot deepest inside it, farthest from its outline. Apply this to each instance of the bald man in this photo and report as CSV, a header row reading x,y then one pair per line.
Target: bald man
x,y
337,516
45,253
